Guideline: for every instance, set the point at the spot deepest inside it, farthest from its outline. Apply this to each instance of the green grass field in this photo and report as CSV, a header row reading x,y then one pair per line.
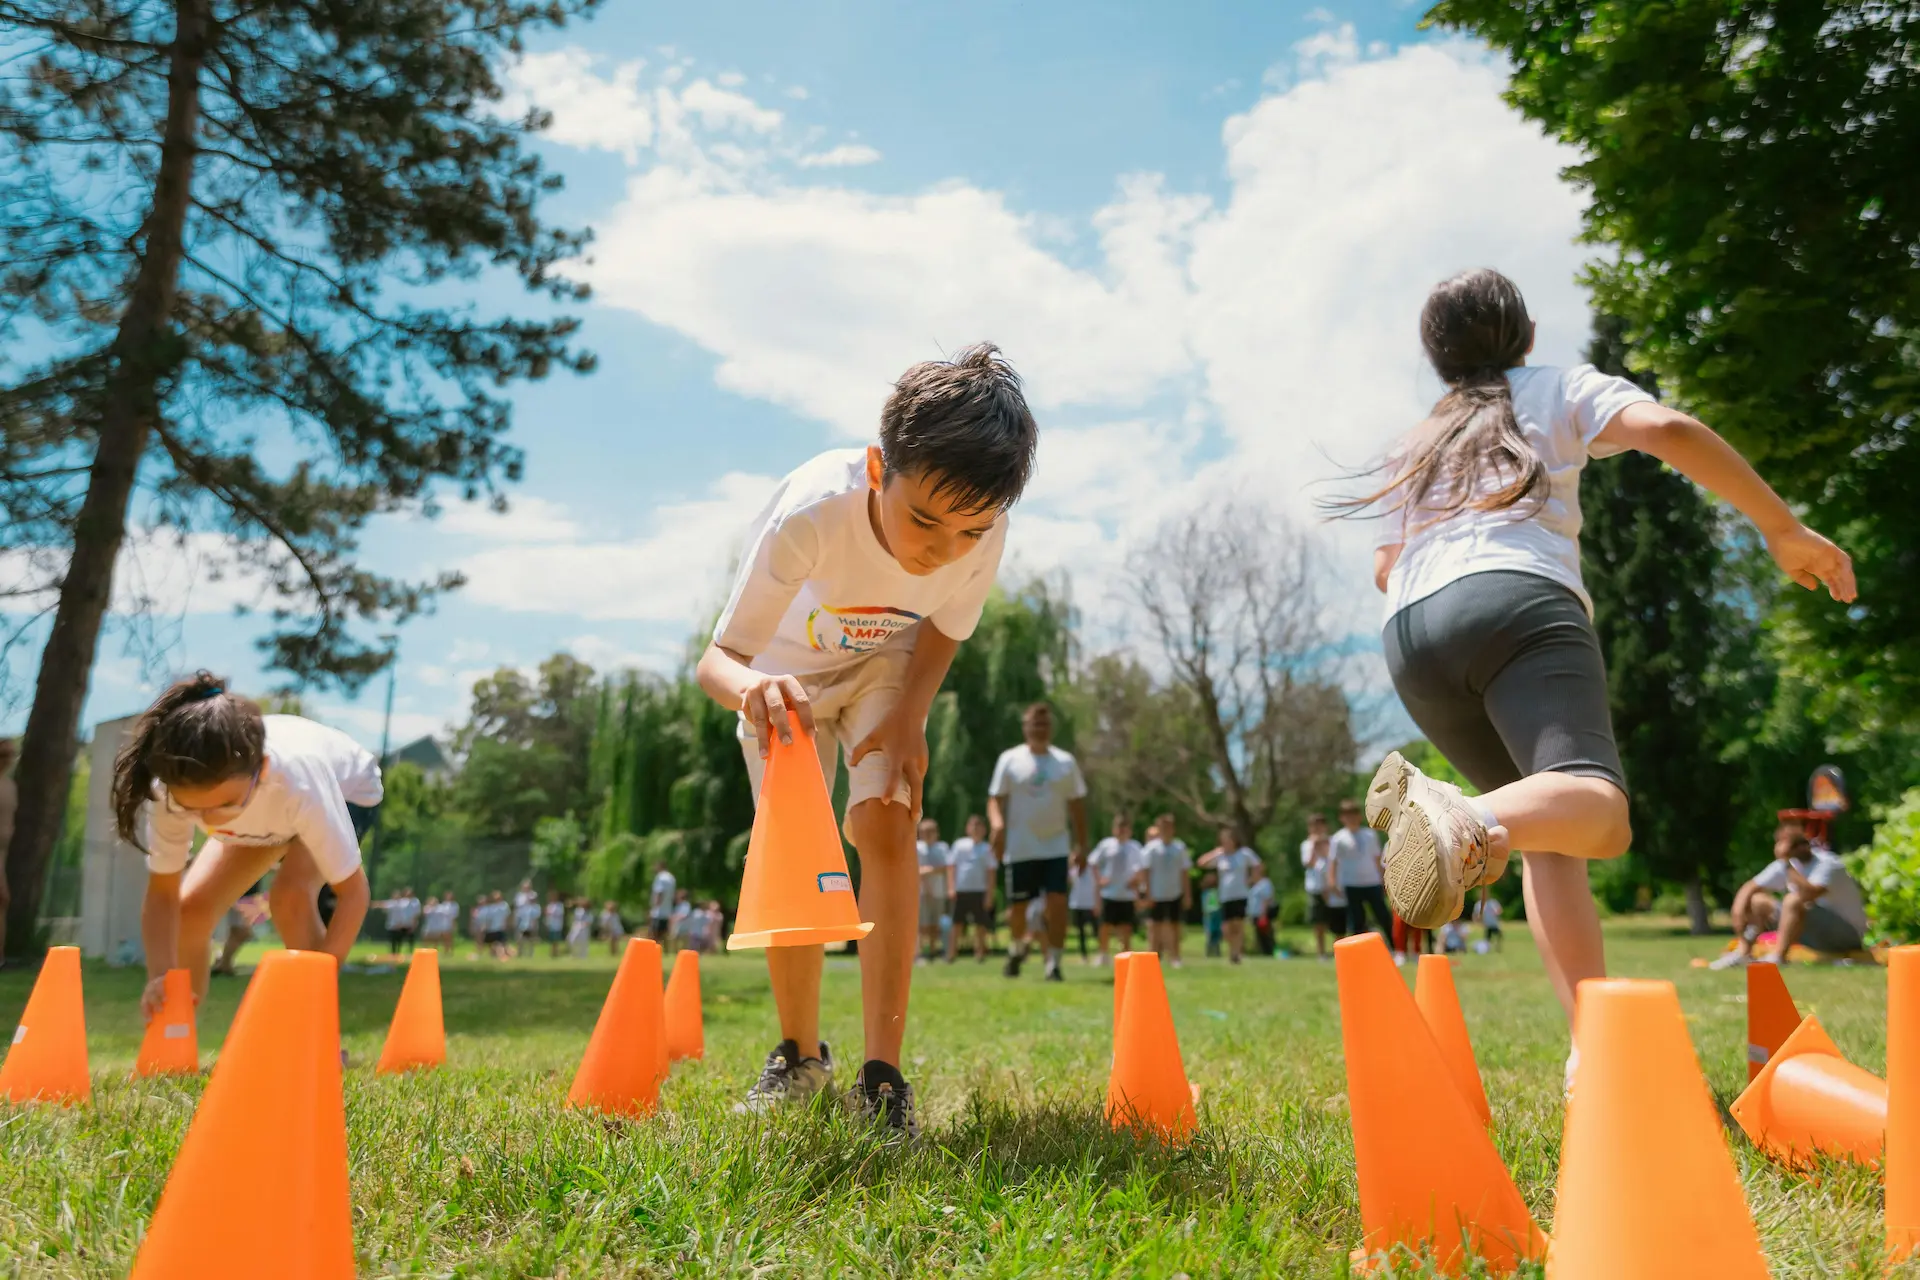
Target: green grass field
x,y
479,1170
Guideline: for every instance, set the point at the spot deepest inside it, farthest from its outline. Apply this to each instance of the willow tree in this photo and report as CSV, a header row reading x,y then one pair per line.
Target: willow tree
x,y
224,253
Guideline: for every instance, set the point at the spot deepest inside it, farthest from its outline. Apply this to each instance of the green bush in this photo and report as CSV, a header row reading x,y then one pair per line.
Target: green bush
x,y
1889,870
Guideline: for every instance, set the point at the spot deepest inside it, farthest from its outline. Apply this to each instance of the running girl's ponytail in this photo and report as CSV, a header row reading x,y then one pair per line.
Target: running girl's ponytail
x,y
1469,453
196,734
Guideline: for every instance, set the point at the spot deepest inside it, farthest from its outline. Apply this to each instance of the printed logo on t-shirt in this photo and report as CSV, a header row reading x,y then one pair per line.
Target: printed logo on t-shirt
x,y
859,628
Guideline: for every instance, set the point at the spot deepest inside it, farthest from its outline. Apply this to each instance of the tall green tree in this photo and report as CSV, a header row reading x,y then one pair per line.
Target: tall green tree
x,y
1750,166
221,253
526,749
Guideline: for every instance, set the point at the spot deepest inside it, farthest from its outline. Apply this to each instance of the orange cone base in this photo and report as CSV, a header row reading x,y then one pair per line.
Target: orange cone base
x,y
798,937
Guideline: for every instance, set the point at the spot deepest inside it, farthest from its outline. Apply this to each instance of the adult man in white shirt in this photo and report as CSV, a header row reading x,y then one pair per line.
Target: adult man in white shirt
x,y
1120,869
936,887
1807,892
973,868
660,904
1356,856
1037,808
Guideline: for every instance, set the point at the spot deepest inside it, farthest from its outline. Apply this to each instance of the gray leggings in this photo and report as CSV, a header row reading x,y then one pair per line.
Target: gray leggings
x,y
1502,672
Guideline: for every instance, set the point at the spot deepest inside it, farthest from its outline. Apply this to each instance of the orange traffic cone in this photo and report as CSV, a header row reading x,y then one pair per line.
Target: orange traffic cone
x,y
1808,1098
172,1045
1647,1186
1121,964
1771,1017
627,1057
1903,1102
1405,1107
260,1184
418,1034
796,890
1148,1090
49,1055
1440,1008
686,1034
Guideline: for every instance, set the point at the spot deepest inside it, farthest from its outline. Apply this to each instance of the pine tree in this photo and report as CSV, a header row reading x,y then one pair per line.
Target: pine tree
x,y
223,254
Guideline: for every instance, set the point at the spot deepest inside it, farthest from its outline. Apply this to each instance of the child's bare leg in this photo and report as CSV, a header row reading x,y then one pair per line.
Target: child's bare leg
x,y
1572,815
294,902
1565,922
1056,916
215,880
1016,925
1236,939
890,897
796,993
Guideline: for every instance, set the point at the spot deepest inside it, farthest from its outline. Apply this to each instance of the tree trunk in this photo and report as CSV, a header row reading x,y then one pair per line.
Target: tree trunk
x,y
1697,921
142,354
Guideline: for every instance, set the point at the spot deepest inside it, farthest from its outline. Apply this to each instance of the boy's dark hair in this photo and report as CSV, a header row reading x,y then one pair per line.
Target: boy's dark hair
x,y
196,734
965,423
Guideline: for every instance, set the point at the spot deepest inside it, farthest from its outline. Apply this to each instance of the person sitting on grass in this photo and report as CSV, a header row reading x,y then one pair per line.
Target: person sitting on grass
x,y
1807,894
269,791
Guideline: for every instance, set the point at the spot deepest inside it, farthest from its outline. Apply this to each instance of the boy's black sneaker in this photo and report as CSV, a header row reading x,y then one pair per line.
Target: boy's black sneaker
x,y
882,1097
1053,973
788,1077
1014,960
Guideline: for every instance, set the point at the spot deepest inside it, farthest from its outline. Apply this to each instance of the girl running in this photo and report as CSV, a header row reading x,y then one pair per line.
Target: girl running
x,y
1489,635
268,791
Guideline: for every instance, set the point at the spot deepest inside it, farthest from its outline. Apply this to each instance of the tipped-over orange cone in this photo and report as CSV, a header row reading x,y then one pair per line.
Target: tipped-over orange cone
x,y
48,1059
627,1057
796,890
1771,1017
686,1032
1148,1090
1903,1102
1647,1186
172,1043
260,1184
1440,1008
418,1035
1808,1098
1406,1110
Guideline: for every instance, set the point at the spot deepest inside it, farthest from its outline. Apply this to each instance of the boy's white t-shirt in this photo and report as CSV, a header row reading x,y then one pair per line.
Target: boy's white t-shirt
x,y
1167,867
1825,871
554,914
1490,913
1315,877
973,864
402,912
1117,860
1035,792
1233,868
1259,898
664,886
1559,411
816,591
936,854
1083,894
1356,856
312,773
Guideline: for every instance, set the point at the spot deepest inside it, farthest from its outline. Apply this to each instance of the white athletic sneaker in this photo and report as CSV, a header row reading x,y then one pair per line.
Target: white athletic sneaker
x,y
1731,960
788,1077
1437,846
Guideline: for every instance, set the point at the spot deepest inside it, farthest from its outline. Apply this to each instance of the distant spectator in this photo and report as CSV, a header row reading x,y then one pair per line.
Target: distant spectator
x,y
660,903
1356,854
1806,893
1260,909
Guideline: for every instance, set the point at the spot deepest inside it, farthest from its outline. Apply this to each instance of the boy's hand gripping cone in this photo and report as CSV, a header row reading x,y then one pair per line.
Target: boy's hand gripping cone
x,y
1148,1087
1439,1005
686,1032
48,1059
418,1036
172,1043
1808,1098
260,1184
1406,1110
1647,1187
1771,1017
1903,1102
795,891
627,1057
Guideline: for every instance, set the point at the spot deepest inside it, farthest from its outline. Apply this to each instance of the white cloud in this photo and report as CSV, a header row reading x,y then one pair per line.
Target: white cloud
x,y
608,655
365,723
724,109
527,519
590,111
160,574
845,156
730,79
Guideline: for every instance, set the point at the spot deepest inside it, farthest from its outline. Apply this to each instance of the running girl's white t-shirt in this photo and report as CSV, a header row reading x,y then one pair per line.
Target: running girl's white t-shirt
x,y
1233,868
1084,893
312,773
1167,866
1560,411
816,591
1118,861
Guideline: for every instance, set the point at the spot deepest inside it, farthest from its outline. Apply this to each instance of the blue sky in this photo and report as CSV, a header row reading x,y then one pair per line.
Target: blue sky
x,y
1202,232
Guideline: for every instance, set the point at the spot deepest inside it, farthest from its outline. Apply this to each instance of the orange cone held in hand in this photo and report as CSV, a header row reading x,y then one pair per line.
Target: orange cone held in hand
x,y
627,1057
1808,1098
1148,1089
1429,1175
1771,1017
260,1184
418,1036
172,1043
1439,1005
1647,1187
686,1032
48,1058
795,891
1903,1102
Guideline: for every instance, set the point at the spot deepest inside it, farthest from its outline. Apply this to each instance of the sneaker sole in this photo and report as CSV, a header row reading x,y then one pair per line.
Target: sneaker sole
x,y
1417,883
1387,790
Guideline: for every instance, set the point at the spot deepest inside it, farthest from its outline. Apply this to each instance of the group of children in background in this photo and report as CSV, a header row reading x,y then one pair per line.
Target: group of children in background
x,y
508,928
1341,873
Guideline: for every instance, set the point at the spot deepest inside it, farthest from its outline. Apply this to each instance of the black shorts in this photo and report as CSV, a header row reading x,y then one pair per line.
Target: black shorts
x,y
1167,912
1083,915
1028,880
1233,908
658,928
496,937
1321,913
1116,911
1503,673
970,908
556,933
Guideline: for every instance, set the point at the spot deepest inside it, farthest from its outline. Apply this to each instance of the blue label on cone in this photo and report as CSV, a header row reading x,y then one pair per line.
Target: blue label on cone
x,y
835,882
